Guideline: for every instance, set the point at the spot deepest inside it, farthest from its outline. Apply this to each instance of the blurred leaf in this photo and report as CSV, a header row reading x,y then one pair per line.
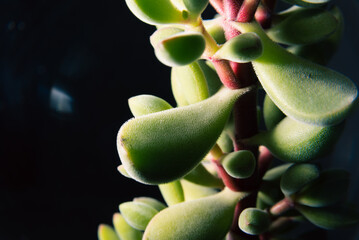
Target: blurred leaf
x,y
151,202
124,230
146,104
106,232
172,192
137,214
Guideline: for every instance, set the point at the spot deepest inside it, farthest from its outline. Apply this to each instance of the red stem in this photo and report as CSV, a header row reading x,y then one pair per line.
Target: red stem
x,y
281,207
226,74
247,10
217,5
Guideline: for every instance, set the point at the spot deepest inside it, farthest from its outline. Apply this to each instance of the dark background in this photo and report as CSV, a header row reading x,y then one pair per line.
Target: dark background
x,y
67,69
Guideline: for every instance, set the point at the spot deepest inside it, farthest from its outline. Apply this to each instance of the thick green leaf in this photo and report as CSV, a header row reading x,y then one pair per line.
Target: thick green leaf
x,y
163,33
207,218
215,29
201,176
276,173
194,191
243,48
148,145
180,49
330,217
213,81
328,189
308,3
239,164
254,221
301,89
304,26
196,7
298,176
294,141
106,232
124,230
156,11
271,113
191,81
151,202
146,104
172,192
137,214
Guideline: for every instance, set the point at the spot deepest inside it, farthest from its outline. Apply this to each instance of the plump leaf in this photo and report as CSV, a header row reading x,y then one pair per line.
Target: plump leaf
x,y
330,217
301,89
196,7
201,176
137,214
225,142
304,26
239,164
213,81
124,230
294,141
308,3
328,189
271,113
146,104
148,145
156,11
106,232
206,218
215,29
194,191
242,48
163,33
276,173
151,202
172,192
254,221
180,49
298,176
191,81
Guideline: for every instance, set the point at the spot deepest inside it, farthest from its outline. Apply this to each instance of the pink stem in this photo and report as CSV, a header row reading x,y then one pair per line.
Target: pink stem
x,y
247,10
217,5
226,74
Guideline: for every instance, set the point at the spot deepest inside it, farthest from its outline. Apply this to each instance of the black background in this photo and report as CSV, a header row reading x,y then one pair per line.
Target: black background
x,y
58,177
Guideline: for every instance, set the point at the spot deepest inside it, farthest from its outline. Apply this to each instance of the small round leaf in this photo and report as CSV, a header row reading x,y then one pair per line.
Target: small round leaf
x,y
254,221
240,164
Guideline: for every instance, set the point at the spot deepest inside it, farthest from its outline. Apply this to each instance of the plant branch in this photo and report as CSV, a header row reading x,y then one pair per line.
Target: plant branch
x,y
247,10
281,207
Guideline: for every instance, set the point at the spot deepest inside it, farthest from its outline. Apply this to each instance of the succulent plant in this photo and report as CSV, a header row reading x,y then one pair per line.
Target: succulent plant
x,y
210,155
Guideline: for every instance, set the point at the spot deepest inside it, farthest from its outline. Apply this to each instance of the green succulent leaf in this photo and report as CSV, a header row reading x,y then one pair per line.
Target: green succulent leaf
x,y
243,48
213,81
196,7
301,89
297,142
215,29
206,218
106,232
172,192
276,173
194,191
308,3
156,11
304,26
151,202
180,49
270,193
148,145
201,176
271,113
225,142
137,214
124,230
190,83
298,176
239,164
331,187
146,104
254,221
330,217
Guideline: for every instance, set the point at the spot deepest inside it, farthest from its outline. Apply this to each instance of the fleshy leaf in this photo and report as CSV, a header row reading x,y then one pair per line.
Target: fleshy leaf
x,y
172,192
239,164
194,191
191,81
301,89
201,176
151,202
206,218
156,11
146,104
180,49
124,230
294,141
196,7
276,173
308,3
298,176
148,145
304,26
328,189
106,232
243,48
271,113
214,28
254,221
213,81
330,217
137,214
